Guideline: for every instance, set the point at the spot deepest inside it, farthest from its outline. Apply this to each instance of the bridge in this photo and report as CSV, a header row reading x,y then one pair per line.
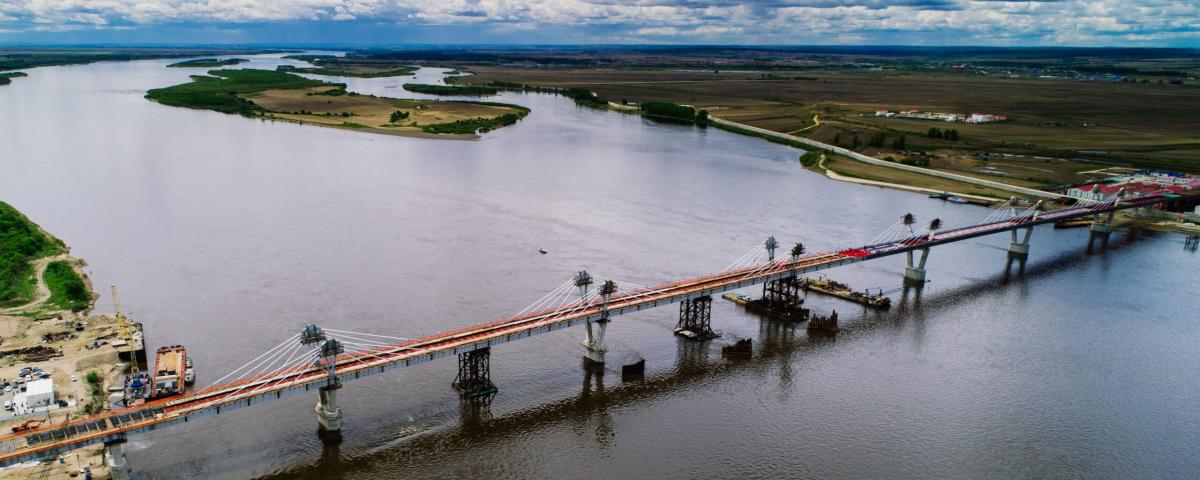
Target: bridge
x,y
322,359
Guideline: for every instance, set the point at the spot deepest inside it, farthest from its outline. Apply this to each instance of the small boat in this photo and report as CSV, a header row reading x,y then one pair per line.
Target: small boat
x,y
542,251
940,196
189,374
956,199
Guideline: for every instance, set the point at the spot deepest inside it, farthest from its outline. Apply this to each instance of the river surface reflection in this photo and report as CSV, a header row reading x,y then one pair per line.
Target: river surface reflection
x,y
229,234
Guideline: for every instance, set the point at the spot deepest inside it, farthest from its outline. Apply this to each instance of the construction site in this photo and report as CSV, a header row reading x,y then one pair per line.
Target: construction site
x,y
58,364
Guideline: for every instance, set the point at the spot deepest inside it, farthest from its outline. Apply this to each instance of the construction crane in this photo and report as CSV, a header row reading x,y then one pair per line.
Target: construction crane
x,y
123,328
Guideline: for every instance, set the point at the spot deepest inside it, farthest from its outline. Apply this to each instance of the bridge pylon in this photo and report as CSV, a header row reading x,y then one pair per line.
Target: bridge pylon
x,y
914,272
593,344
1019,246
329,415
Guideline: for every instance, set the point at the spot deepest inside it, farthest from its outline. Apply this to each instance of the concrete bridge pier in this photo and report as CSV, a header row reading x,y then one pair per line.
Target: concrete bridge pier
x,y
114,456
1101,229
914,274
329,415
1020,246
593,344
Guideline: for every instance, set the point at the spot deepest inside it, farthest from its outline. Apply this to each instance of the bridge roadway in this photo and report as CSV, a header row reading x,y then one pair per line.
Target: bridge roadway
x,y
116,425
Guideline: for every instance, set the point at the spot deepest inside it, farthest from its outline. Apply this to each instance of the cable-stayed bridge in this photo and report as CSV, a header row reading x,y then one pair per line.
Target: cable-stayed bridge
x,y
321,359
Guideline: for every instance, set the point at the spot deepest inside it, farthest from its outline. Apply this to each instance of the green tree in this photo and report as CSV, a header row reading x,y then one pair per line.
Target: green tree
x,y
951,134
898,143
857,142
702,118
878,140
810,158
837,139
935,133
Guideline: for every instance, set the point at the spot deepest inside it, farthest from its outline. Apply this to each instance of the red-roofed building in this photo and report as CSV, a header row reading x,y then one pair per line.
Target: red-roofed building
x,y
1100,192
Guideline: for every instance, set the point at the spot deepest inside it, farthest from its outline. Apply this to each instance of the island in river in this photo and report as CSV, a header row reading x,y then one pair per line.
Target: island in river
x,y
288,97
207,63
6,77
350,65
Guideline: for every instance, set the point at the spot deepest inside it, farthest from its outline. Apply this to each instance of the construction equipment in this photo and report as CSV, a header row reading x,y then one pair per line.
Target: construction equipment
x,y
29,425
123,329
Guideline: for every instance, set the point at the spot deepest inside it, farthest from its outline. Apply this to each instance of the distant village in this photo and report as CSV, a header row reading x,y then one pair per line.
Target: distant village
x,y
944,117
1138,183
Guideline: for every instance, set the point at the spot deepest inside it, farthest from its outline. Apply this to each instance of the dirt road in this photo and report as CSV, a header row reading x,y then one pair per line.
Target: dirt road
x,y
43,292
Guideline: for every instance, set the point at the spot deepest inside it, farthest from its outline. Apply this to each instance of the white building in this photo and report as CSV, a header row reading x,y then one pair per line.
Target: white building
x,y
986,118
39,393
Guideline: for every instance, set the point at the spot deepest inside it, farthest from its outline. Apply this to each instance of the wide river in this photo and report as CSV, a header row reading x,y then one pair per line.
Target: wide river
x,y
228,235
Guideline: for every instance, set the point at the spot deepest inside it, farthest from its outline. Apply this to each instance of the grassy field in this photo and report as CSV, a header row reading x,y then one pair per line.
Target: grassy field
x,y
67,289
851,168
208,63
375,114
21,242
1083,125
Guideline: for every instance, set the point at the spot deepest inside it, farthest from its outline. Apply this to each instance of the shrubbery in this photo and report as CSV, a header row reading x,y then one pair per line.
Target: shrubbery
x,y
810,159
671,111
585,97
220,91
20,243
470,90
67,289
473,125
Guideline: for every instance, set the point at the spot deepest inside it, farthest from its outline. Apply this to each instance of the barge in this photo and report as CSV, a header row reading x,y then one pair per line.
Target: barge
x,y
843,291
170,365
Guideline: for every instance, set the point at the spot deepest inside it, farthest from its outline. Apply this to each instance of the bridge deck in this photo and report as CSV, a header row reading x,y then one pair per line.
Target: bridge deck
x,y
51,440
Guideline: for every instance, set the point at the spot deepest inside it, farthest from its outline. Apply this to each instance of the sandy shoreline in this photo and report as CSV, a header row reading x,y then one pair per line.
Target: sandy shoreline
x,y
379,131
835,176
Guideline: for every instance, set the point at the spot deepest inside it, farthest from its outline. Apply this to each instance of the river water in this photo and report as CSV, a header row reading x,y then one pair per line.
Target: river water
x,y
228,234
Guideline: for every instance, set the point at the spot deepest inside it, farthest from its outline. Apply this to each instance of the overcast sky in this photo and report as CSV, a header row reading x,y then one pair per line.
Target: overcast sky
x,y
392,22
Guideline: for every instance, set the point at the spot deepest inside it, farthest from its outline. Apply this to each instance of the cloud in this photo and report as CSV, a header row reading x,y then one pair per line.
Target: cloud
x,y
1032,22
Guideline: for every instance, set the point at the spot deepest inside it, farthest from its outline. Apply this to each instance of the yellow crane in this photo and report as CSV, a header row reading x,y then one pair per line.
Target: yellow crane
x,y
123,328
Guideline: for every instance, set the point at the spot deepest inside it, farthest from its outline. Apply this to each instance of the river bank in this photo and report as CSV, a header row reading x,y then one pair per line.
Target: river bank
x,y
833,175
55,337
